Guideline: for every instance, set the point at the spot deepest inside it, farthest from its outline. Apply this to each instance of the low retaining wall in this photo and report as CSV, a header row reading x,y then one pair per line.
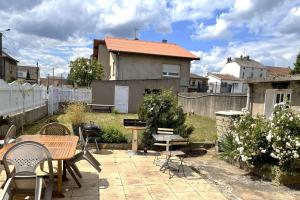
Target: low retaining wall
x,y
31,116
206,104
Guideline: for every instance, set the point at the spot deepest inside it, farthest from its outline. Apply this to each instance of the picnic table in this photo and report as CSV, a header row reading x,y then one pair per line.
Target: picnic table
x,y
60,147
94,106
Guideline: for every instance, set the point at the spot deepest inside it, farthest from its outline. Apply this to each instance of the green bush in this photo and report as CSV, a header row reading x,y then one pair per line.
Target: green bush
x,y
161,111
258,141
111,134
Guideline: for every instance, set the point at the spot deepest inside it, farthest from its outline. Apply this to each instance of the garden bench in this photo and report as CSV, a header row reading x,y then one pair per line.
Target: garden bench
x,y
94,106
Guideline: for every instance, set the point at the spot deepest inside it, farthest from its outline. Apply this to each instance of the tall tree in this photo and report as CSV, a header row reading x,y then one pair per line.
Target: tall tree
x,y
296,69
83,71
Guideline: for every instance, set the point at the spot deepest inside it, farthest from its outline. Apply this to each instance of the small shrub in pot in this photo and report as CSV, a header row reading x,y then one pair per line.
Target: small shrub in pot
x,y
76,114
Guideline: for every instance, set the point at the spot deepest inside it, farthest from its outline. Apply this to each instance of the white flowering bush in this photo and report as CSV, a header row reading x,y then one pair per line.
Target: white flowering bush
x,y
276,141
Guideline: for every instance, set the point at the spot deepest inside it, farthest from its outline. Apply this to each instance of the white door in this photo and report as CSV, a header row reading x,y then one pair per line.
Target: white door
x,y
121,98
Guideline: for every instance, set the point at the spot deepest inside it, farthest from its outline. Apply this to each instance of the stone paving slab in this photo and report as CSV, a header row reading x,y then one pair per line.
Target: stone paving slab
x,y
125,177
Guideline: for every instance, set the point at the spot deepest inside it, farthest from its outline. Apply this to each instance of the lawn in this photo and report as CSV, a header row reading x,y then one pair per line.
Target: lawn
x,y
205,128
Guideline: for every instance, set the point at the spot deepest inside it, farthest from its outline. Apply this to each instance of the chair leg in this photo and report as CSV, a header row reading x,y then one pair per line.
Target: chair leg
x,y
88,157
73,175
97,147
38,188
76,170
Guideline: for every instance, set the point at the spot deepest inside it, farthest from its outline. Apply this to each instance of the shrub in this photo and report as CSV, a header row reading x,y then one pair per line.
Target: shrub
x,y
161,110
111,134
274,141
76,113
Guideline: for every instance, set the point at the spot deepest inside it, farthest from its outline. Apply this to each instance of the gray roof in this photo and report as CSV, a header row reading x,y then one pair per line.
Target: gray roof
x,y
244,62
6,55
195,76
276,79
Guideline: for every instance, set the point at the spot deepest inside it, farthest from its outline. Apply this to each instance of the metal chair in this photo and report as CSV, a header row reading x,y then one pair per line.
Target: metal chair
x,y
164,131
58,129
55,129
25,157
84,154
10,135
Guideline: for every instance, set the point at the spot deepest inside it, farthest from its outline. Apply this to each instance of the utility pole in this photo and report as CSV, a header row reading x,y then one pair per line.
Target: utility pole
x,y
135,33
1,35
53,77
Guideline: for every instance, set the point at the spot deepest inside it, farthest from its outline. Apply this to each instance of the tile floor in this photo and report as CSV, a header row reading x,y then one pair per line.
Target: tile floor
x,y
135,177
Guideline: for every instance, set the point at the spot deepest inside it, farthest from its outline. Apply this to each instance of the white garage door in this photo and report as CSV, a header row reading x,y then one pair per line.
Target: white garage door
x,y
121,98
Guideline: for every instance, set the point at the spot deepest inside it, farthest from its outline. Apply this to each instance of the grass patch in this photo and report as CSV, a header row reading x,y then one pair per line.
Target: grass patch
x,y
205,128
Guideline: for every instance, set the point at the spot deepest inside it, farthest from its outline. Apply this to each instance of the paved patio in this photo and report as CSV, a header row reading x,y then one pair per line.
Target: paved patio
x,y
135,177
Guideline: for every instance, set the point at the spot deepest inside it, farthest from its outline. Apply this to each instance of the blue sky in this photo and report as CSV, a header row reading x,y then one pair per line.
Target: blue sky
x,y
54,32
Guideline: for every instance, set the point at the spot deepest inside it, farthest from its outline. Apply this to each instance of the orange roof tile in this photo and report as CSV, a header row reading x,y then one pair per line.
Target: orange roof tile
x,y
278,71
145,47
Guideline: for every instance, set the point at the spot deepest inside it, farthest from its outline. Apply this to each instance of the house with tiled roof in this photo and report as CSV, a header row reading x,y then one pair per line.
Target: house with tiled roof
x,y
130,59
225,83
277,71
197,83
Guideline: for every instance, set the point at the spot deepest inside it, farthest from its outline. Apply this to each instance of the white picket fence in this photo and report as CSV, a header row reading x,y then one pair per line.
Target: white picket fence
x,y
14,97
57,95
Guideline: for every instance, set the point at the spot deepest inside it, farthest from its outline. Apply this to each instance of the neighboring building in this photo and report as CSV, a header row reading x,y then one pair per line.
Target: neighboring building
x,y
225,83
8,67
198,83
58,81
277,71
29,74
125,59
244,68
265,93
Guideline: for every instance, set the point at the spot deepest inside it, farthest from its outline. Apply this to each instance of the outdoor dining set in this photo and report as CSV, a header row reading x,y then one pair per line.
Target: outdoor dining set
x,y
28,159
27,153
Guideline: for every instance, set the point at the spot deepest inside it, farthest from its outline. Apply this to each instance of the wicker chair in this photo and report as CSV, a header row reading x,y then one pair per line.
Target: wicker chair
x,y
55,129
25,157
58,129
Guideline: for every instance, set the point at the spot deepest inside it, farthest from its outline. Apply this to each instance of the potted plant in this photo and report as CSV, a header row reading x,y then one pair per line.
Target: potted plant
x,y
76,114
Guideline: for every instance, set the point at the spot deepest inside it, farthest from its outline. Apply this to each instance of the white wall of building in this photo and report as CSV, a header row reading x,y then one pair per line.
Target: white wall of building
x,y
231,68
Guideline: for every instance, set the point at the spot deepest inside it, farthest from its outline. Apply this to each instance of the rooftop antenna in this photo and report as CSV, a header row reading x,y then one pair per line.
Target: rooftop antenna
x,y
136,33
245,52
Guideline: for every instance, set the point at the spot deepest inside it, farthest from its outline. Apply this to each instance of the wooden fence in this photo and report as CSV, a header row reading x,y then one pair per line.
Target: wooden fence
x,y
207,104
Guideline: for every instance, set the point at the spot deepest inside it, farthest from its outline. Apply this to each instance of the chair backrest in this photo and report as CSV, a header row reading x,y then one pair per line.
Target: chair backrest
x,y
25,157
11,134
82,142
168,131
55,129
183,142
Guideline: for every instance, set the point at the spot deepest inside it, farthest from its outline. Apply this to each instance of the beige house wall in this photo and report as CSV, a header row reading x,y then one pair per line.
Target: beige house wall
x,y
103,92
103,59
135,66
10,70
257,96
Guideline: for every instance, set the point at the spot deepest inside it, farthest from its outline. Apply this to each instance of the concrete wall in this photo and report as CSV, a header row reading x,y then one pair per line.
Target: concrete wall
x,y
103,92
258,92
135,66
103,58
207,104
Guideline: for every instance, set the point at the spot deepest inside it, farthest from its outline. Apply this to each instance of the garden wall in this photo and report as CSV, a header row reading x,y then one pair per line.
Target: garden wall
x,y
206,104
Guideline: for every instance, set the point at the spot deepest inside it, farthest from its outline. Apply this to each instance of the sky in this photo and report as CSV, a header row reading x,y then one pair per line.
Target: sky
x,y
54,32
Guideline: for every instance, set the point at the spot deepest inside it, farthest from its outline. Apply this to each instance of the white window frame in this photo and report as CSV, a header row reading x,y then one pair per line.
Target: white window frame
x,y
170,72
272,94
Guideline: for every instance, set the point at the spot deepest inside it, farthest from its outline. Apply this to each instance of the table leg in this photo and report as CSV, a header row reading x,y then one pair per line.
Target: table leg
x,y
134,140
59,193
168,145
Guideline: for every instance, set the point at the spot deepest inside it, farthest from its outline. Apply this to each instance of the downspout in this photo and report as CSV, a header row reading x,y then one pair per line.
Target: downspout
x,y
249,92
117,70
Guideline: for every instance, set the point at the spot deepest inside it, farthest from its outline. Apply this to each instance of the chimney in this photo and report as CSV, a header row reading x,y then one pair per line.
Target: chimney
x,y
248,57
164,41
241,57
229,59
0,44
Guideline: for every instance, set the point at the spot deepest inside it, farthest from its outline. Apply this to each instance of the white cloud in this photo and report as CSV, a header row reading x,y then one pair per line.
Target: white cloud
x,y
219,30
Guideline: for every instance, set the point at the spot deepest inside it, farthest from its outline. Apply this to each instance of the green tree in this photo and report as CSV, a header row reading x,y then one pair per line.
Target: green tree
x,y
162,111
83,71
296,69
28,75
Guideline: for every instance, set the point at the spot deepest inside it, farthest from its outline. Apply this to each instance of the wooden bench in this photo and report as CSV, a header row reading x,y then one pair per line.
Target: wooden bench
x,y
94,106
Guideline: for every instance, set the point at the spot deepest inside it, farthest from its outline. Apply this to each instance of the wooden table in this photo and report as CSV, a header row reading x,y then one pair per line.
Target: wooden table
x,y
135,130
94,106
60,147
